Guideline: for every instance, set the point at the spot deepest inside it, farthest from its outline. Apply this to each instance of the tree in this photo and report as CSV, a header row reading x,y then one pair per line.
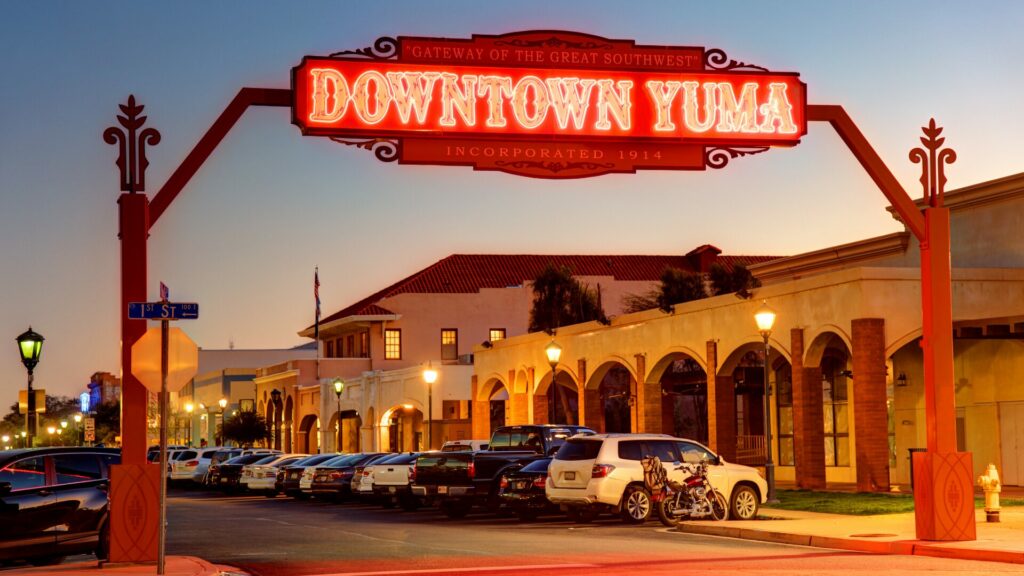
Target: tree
x,y
108,423
677,286
57,408
245,429
739,280
561,300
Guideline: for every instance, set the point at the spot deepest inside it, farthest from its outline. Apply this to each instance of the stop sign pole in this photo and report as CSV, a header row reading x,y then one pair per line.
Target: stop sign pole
x,y
166,312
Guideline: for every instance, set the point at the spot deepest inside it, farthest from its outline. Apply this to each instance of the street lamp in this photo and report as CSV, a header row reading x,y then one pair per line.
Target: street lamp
x,y
81,431
50,430
554,353
765,319
275,398
339,387
430,376
6,440
189,407
223,403
30,345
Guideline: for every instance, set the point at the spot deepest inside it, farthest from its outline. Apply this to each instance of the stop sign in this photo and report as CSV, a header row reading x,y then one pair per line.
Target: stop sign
x,y
182,359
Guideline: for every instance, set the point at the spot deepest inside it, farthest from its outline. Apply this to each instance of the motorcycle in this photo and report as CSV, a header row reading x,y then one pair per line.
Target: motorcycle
x,y
692,499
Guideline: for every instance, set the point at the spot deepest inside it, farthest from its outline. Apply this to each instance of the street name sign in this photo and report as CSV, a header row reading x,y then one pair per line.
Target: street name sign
x,y
163,311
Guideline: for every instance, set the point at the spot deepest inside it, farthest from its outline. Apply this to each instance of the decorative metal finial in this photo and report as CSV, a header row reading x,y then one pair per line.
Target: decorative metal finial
x,y
131,158
933,177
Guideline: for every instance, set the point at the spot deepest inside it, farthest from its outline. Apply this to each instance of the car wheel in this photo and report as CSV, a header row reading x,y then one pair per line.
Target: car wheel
x,y
636,505
103,546
745,503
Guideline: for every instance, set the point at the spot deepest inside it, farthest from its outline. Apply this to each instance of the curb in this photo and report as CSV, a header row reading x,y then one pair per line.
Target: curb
x,y
902,547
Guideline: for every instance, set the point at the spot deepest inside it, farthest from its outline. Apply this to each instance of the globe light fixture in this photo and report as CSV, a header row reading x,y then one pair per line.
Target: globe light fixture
x,y
223,403
430,376
765,319
51,429
64,424
30,346
78,418
339,387
554,353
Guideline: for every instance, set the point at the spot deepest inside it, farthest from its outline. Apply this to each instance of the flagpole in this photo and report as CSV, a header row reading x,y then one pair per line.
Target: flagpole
x,y
316,329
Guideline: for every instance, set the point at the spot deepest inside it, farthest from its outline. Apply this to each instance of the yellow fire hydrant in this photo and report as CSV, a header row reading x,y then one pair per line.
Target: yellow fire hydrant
x,y
989,482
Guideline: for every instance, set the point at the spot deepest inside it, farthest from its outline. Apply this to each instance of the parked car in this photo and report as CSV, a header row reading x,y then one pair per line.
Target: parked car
x,y
333,479
290,476
189,466
522,490
229,474
464,445
223,455
603,473
53,503
261,476
459,480
389,480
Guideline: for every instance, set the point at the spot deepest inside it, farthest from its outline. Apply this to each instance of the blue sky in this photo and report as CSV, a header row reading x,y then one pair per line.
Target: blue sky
x,y
245,234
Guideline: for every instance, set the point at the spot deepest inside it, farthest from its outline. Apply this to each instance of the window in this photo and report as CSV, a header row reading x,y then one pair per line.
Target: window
x,y
329,349
350,346
364,344
577,449
663,449
696,449
73,468
25,474
835,397
392,344
784,407
449,344
496,334
631,450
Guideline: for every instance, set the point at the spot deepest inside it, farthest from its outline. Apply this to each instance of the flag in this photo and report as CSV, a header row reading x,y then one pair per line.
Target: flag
x,y
316,296
165,293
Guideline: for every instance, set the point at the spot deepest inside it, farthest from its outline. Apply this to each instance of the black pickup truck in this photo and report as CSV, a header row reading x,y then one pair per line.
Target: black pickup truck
x,y
458,480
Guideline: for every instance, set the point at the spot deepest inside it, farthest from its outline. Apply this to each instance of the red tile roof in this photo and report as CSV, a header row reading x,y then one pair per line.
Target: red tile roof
x,y
468,273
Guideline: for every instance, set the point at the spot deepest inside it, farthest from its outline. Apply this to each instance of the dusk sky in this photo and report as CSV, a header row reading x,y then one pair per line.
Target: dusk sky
x,y
243,237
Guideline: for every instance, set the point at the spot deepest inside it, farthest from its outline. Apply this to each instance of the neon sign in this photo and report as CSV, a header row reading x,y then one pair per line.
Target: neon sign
x,y
547,104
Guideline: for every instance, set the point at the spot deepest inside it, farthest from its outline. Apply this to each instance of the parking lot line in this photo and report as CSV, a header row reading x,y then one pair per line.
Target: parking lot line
x,y
525,567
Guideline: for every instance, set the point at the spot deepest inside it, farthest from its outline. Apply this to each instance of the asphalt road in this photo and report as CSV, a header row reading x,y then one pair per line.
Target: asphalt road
x,y
284,537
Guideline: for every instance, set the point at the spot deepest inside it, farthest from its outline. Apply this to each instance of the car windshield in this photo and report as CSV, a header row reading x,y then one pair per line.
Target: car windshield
x,y
537,465
579,449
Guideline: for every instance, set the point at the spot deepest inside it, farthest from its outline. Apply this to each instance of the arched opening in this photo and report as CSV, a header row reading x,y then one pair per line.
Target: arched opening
x,y
558,404
288,429
746,366
347,432
402,429
613,399
684,397
498,407
831,354
309,434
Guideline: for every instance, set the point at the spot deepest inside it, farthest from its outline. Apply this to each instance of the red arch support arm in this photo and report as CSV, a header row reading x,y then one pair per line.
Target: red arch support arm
x,y
872,163
245,98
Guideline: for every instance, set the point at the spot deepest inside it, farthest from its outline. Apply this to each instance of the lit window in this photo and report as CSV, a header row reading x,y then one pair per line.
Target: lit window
x,y
392,344
496,334
835,396
449,344
364,344
350,346
784,414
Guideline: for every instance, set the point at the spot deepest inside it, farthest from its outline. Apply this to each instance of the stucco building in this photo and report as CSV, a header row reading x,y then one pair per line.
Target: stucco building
x,y
845,367
380,345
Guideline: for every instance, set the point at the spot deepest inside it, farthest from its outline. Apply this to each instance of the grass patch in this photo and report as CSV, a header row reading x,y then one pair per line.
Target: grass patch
x,y
858,504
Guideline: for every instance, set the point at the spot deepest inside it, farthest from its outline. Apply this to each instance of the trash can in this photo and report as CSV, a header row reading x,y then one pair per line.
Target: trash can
x,y
911,451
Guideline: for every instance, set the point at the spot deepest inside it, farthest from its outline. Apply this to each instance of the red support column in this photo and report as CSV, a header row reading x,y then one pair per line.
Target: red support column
x,y
808,424
870,407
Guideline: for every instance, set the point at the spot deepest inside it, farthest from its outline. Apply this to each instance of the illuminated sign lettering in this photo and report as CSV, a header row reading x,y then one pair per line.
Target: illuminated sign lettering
x,y
435,100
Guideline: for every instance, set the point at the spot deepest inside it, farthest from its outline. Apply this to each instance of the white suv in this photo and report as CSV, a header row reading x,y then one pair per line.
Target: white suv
x,y
590,474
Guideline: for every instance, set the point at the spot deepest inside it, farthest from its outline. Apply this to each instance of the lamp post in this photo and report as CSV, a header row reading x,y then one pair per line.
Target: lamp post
x,y
81,431
7,441
339,387
49,431
189,407
223,403
30,344
765,319
430,376
275,398
63,427
554,353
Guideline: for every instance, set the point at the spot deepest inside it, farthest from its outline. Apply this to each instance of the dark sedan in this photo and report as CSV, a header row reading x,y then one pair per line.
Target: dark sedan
x,y
333,479
288,477
227,475
53,503
522,490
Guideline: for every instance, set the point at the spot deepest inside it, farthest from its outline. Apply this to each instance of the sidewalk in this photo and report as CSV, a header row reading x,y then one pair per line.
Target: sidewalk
x,y
883,534
175,566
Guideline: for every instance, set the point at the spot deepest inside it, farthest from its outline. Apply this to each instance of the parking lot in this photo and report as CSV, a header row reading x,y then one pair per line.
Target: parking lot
x,y
287,537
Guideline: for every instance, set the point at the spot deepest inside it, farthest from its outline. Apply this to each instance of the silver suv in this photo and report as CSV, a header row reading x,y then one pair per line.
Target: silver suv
x,y
602,472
